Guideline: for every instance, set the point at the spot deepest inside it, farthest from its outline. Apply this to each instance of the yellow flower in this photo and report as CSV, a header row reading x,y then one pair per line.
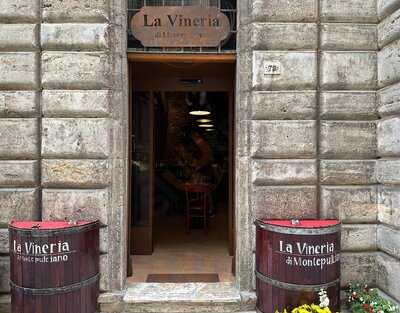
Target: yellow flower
x,y
305,308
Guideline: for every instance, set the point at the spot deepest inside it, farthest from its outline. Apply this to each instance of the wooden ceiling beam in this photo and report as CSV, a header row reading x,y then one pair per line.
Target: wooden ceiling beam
x,y
182,57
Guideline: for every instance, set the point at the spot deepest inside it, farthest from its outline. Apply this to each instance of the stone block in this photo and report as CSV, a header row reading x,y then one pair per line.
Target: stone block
x,y
19,104
348,105
75,138
77,37
75,173
348,172
389,29
104,272
76,103
242,143
389,205
4,274
350,204
5,303
284,202
19,11
283,105
19,70
348,70
4,244
244,221
388,171
348,139
86,11
19,37
285,10
18,203
389,137
283,139
387,274
75,204
244,59
284,172
389,240
338,36
166,298
111,302
19,173
19,138
298,70
77,70
104,244
359,237
389,64
355,11
358,267
389,100
387,7
284,36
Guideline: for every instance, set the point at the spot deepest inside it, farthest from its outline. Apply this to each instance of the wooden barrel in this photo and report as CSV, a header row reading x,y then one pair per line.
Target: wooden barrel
x,y
54,266
294,261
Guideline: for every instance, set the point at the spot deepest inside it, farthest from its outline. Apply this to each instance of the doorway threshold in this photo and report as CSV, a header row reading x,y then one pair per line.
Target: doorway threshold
x,y
185,297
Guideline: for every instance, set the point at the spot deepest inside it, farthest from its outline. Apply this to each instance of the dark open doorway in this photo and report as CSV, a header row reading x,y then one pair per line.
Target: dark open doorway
x,y
181,199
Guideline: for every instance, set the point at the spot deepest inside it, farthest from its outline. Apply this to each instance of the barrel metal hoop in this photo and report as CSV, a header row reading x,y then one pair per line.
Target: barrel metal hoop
x,y
298,231
295,287
37,232
56,290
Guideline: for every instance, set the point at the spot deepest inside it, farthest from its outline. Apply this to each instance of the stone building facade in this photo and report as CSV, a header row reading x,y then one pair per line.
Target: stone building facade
x,y
321,140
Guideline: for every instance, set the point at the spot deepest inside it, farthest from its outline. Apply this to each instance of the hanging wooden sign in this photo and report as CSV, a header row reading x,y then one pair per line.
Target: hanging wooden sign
x,y
180,26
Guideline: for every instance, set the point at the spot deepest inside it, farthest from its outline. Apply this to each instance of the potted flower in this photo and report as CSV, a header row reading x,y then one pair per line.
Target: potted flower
x,y
322,307
363,299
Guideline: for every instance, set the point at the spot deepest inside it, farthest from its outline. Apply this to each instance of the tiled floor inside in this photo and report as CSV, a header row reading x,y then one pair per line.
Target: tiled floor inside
x,y
176,252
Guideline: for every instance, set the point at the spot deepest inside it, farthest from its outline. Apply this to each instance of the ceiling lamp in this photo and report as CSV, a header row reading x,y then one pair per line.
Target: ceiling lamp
x,y
204,120
199,112
206,125
210,129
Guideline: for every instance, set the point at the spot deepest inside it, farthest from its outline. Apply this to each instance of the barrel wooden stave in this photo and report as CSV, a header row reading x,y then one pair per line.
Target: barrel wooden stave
x,y
273,265
285,299
280,285
57,287
82,264
83,300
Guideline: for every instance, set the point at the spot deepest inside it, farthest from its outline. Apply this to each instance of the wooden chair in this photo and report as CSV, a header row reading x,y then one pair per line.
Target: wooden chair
x,y
197,203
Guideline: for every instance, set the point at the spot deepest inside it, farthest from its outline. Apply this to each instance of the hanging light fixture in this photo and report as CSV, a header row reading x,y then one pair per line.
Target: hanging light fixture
x,y
206,125
204,120
198,104
199,112
210,129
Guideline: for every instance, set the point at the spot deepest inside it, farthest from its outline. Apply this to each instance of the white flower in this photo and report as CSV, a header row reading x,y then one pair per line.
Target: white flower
x,y
323,299
324,303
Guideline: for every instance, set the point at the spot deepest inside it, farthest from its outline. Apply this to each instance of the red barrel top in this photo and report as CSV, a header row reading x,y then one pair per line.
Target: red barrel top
x,y
47,225
302,223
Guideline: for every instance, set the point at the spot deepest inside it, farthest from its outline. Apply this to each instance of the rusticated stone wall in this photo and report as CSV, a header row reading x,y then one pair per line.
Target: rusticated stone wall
x,y
388,166
63,120
306,138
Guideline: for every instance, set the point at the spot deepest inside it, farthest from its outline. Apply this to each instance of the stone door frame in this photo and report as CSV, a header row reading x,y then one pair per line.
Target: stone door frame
x,y
243,220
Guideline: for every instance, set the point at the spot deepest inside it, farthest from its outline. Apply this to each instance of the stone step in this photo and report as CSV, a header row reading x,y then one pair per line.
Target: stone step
x,y
179,298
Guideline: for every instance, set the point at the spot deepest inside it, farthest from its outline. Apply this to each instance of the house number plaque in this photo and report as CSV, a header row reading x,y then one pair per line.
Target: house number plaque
x,y
180,26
